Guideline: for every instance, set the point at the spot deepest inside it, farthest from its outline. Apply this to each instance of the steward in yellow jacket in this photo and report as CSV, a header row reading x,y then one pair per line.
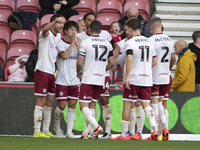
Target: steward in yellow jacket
x,y
184,78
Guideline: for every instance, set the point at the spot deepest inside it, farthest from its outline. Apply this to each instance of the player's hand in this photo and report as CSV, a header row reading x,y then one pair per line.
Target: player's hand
x,y
60,19
56,7
64,2
74,38
127,84
79,75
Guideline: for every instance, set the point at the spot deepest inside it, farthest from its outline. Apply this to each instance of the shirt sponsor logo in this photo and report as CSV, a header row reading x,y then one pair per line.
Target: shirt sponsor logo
x,y
163,73
87,97
145,75
97,74
133,96
72,57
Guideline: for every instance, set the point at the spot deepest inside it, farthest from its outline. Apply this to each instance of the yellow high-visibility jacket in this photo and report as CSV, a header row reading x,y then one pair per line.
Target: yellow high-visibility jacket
x,y
184,78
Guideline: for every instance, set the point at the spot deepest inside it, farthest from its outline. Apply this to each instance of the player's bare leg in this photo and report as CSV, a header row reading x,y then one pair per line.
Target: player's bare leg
x,y
140,118
107,114
41,100
47,114
71,118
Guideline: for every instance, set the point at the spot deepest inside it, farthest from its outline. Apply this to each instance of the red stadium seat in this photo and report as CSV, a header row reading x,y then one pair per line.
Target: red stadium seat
x,y
76,18
143,8
121,1
146,1
35,27
28,5
85,6
6,73
2,57
4,25
15,52
109,8
7,6
23,38
4,40
106,21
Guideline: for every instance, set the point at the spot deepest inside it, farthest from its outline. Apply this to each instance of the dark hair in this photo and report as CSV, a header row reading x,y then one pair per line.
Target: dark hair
x,y
134,24
195,35
95,26
54,17
70,24
85,16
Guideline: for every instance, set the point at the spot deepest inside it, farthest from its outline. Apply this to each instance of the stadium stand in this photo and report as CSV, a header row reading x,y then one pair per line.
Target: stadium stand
x,y
142,7
4,25
106,21
146,1
121,1
76,17
6,73
35,27
85,6
109,8
28,5
15,52
7,6
23,38
4,40
2,57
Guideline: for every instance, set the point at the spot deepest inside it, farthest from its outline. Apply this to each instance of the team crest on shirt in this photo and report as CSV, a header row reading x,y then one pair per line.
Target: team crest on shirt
x,y
61,93
44,90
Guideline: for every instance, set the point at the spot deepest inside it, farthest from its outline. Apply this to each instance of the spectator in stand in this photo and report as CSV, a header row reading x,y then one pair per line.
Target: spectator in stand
x,y
133,13
18,70
81,25
195,48
1,71
184,78
30,65
62,7
114,28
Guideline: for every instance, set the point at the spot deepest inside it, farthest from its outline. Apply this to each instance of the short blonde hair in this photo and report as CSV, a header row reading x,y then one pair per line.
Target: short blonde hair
x,y
155,22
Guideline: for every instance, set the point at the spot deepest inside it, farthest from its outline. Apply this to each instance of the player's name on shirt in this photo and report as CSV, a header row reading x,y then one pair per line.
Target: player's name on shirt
x,y
141,40
98,40
163,39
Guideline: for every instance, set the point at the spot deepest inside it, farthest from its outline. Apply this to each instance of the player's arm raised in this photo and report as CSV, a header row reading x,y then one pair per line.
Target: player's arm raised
x,y
66,53
129,63
48,27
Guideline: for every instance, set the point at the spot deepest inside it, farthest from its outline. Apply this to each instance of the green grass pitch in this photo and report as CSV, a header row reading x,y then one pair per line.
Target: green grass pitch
x,y
29,143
